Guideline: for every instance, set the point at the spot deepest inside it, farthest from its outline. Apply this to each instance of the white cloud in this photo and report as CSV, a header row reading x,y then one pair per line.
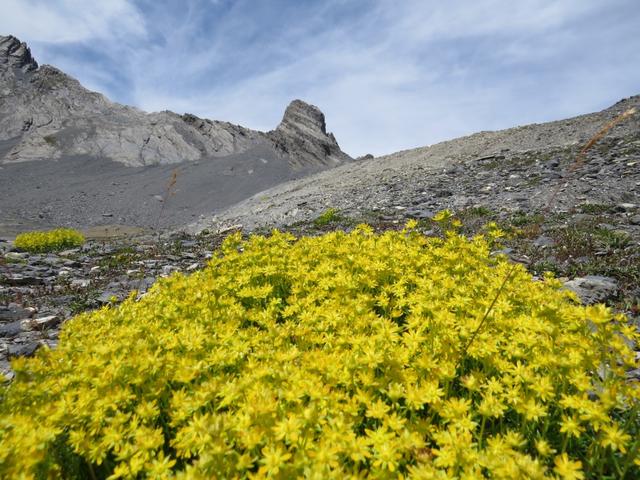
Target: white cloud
x,y
66,21
389,76
396,81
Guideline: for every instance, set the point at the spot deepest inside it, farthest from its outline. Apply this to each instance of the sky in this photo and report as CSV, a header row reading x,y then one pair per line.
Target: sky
x,y
388,74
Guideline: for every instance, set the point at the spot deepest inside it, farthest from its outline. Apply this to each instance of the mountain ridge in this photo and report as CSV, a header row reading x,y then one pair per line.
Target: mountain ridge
x,y
45,113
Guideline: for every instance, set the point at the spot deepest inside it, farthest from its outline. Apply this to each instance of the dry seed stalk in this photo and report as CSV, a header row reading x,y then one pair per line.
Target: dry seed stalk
x,y
169,191
577,163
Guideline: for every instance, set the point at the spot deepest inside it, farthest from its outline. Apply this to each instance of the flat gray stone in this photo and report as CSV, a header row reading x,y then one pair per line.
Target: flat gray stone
x,y
593,288
41,323
15,256
13,312
22,280
10,330
26,350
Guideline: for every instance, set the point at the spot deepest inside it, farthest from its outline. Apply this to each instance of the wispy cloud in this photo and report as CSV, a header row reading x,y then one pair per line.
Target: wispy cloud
x,y
388,75
66,21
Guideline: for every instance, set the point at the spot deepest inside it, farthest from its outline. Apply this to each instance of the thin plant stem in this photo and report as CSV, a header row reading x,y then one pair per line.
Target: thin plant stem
x,y
91,472
464,350
169,191
577,163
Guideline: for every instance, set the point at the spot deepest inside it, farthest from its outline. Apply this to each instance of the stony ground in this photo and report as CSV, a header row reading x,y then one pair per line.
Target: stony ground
x,y
508,170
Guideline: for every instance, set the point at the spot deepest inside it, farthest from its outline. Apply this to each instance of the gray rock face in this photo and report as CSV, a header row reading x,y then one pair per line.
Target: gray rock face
x,y
16,54
593,288
303,129
46,114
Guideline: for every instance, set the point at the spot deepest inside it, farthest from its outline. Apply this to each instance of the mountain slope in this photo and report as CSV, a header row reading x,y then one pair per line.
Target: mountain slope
x,y
45,113
112,159
513,169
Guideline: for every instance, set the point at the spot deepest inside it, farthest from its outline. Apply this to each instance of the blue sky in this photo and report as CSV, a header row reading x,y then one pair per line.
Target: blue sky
x,y
388,74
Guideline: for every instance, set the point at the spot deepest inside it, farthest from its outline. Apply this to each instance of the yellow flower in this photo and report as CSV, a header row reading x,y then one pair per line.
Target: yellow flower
x,y
491,407
411,224
160,466
442,215
568,469
533,410
615,438
377,409
571,426
598,314
386,457
455,408
273,458
472,382
543,447
288,429
358,448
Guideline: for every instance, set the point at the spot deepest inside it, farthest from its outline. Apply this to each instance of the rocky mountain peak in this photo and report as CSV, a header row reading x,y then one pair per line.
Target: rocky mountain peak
x,y
302,134
16,54
301,115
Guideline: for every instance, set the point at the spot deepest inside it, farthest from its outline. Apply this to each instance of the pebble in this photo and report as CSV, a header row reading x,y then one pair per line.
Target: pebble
x,y
13,312
26,350
80,282
40,323
626,207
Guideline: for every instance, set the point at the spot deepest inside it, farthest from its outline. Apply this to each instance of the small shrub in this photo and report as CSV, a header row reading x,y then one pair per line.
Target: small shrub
x,y
51,140
328,216
524,219
120,259
479,211
611,239
348,355
52,240
594,208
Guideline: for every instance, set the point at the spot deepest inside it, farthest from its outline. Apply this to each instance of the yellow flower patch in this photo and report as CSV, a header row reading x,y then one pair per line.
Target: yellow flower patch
x,y
51,240
349,354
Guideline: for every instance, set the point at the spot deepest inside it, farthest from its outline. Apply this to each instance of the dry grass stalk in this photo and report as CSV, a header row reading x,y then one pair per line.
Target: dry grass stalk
x,y
575,166
582,155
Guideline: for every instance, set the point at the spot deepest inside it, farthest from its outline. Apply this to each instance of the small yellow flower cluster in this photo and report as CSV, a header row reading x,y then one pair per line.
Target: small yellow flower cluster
x,y
342,356
58,239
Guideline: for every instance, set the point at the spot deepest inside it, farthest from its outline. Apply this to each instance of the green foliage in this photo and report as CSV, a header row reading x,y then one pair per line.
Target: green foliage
x,y
123,257
479,211
595,208
51,140
609,240
48,241
524,219
587,239
344,355
328,216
